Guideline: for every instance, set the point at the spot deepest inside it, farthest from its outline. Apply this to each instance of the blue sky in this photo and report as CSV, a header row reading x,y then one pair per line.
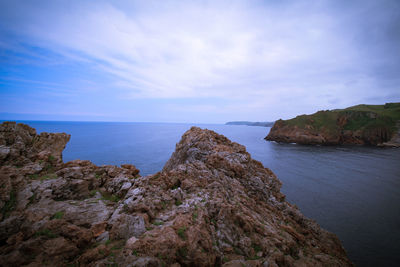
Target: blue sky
x,y
203,61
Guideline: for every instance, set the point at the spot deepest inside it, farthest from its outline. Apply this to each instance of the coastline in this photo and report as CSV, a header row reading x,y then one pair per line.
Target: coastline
x,y
205,178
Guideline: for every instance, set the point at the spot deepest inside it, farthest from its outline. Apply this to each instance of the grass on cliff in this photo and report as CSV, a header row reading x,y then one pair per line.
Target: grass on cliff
x,y
317,121
386,116
391,110
46,233
360,117
57,215
182,232
10,204
109,197
48,176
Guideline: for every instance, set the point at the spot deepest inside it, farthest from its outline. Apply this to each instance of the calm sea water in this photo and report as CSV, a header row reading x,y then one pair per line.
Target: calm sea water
x,y
351,191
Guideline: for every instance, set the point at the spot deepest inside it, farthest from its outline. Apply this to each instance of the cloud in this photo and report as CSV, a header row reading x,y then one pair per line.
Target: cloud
x,y
311,55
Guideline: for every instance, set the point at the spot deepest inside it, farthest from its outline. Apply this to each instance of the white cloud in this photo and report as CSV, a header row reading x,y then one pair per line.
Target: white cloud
x,y
259,53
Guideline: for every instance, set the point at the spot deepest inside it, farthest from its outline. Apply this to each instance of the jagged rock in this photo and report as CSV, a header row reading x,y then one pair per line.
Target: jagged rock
x,y
131,168
395,140
210,205
20,144
126,226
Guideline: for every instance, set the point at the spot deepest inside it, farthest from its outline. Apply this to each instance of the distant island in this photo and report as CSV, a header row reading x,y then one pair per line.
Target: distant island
x,y
250,123
361,124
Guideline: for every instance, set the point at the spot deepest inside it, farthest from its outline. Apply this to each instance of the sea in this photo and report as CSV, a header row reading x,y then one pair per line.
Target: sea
x,y
352,191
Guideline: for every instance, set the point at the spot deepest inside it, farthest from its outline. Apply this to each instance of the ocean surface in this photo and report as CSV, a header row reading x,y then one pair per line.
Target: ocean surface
x,y
351,191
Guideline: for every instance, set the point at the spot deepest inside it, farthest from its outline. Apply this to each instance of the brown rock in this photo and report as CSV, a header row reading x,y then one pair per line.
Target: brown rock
x,y
98,229
131,168
212,204
59,246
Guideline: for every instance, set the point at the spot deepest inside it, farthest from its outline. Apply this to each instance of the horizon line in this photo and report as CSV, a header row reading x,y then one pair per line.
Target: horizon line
x,y
6,120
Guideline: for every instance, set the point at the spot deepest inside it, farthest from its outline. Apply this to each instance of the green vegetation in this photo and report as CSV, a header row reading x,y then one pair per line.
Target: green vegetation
x,y
49,167
116,244
57,215
389,109
92,192
178,202
52,158
158,223
9,206
182,252
32,198
116,247
360,117
177,184
326,119
195,214
160,256
256,248
46,233
33,176
182,232
48,177
110,197
237,251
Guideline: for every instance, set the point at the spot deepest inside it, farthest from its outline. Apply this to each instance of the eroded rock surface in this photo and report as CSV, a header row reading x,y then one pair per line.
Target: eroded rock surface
x,y
211,205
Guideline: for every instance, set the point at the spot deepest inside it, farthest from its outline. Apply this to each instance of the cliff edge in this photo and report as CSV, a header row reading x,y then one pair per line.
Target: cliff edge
x,y
362,124
211,205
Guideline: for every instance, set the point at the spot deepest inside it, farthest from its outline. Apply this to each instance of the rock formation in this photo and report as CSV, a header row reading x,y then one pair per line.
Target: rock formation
x,y
361,125
211,205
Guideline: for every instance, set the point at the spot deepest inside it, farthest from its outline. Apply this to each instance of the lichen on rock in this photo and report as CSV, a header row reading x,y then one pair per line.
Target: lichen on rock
x,y
211,205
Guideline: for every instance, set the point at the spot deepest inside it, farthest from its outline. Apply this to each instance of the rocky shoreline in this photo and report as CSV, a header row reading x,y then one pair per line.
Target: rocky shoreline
x,y
211,205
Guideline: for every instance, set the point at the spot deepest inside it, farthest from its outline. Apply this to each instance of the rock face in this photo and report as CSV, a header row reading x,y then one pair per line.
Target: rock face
x,y
395,140
211,205
361,125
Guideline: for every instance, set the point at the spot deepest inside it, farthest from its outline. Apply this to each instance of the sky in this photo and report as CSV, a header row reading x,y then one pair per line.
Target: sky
x,y
195,61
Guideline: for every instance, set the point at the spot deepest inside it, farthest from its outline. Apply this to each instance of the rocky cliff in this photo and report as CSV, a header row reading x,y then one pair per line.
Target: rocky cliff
x,y
362,124
211,205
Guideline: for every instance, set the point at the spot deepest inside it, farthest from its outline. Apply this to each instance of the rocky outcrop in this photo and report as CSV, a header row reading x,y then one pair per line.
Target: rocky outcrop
x,y
395,140
211,205
349,126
